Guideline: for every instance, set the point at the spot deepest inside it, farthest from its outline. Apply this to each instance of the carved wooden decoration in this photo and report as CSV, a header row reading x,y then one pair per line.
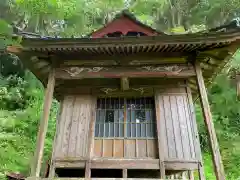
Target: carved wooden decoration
x,y
130,72
108,90
74,71
174,69
140,90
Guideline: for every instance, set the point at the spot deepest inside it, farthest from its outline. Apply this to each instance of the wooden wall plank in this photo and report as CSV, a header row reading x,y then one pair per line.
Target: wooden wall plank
x,y
130,148
72,141
66,126
97,148
169,127
108,148
84,122
176,127
73,134
125,163
191,131
163,125
183,127
153,148
179,133
119,148
142,148
160,137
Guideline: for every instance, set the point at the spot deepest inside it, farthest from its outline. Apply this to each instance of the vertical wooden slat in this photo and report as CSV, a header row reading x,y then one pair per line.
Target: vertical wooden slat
x,y
67,127
130,148
84,132
73,134
189,121
119,148
217,161
152,148
160,136
141,148
36,167
169,127
79,106
183,127
97,148
164,127
176,127
108,150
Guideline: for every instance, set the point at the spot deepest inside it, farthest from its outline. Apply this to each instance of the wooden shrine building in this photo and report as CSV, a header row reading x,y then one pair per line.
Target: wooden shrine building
x,y
126,94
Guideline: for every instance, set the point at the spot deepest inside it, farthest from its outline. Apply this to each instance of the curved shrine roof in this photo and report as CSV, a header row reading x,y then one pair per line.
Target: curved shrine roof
x,y
213,48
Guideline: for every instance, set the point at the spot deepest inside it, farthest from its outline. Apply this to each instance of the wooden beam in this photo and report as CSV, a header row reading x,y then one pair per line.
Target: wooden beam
x,y
139,58
181,166
217,162
177,71
124,83
125,164
36,167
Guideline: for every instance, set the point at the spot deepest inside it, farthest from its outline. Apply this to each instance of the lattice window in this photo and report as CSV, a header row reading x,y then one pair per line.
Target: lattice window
x,y
121,117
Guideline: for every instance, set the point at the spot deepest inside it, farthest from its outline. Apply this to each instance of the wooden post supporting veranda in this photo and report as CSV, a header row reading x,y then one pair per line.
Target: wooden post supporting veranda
x,y
216,156
36,166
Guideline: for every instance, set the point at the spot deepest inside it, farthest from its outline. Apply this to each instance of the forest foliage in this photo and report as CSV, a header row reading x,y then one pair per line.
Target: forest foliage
x,y
21,94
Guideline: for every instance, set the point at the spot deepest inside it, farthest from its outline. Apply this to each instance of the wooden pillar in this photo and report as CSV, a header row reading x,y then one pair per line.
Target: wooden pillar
x,y
238,85
91,139
124,173
36,167
217,162
160,137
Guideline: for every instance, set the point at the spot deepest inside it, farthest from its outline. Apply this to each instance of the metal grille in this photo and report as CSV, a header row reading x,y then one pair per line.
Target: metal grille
x,y
125,118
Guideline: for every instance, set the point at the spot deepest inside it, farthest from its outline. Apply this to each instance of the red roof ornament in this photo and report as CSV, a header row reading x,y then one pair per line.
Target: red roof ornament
x,y
125,24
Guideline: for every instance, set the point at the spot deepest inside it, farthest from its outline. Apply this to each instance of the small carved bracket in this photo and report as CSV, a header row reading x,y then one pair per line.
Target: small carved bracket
x,y
124,83
74,71
108,90
175,69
